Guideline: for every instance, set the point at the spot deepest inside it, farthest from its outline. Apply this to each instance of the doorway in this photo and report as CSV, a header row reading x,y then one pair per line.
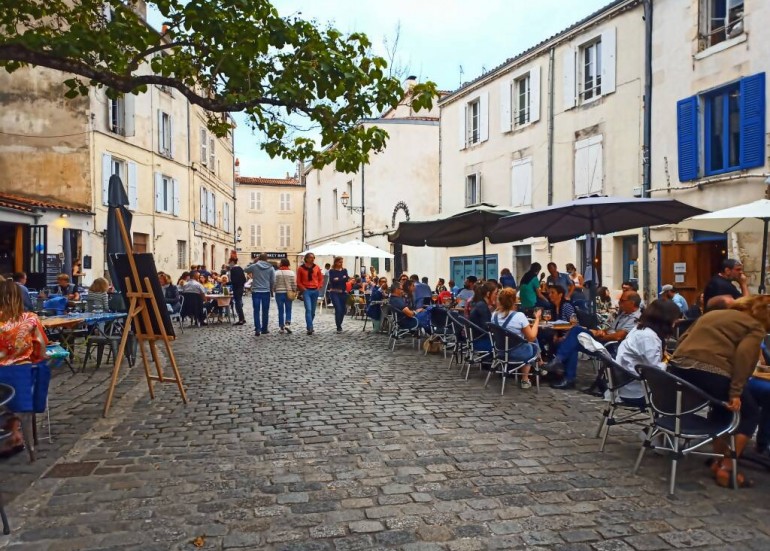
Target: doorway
x,y
689,265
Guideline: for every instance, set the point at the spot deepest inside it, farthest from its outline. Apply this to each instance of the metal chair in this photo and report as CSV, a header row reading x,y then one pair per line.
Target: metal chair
x,y
473,356
7,393
503,343
177,316
676,414
441,327
399,330
616,377
460,345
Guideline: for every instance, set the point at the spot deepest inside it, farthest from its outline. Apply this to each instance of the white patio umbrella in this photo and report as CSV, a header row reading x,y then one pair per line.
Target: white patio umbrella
x,y
750,217
358,248
327,249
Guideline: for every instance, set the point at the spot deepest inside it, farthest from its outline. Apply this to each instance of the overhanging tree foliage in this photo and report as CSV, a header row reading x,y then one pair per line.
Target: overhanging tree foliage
x,y
224,55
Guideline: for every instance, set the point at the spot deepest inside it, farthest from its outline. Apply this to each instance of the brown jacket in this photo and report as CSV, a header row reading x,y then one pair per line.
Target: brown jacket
x,y
726,339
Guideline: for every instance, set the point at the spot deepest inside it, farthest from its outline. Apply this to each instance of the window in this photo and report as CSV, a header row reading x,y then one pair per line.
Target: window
x,y
284,234
474,124
140,242
522,103
589,171
164,134
589,69
336,205
462,267
591,81
720,20
472,189
285,204
117,113
255,235
166,194
126,171
204,147
255,200
732,119
521,182
522,260
181,255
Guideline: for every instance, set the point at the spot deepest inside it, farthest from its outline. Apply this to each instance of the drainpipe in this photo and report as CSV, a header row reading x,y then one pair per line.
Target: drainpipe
x,y
551,54
646,140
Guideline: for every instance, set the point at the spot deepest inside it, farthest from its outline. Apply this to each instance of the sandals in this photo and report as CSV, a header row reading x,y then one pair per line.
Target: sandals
x,y
723,478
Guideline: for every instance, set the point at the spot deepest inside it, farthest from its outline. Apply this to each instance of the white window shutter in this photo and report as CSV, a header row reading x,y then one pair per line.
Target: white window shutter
x,y
204,145
468,195
608,47
170,138
129,113
204,204
288,236
288,201
259,236
534,94
160,131
521,182
175,198
158,192
479,195
259,200
212,153
253,236
595,165
484,116
505,106
212,209
569,79
463,115
133,199
227,217
106,173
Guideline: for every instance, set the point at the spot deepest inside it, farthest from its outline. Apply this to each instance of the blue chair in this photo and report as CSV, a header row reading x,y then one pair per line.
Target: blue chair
x,y
6,395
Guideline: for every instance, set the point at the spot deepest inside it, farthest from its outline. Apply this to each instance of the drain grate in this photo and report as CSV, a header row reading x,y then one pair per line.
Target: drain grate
x,y
71,470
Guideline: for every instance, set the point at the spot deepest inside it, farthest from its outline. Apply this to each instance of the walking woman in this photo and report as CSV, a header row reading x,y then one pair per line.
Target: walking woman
x,y
285,293
338,279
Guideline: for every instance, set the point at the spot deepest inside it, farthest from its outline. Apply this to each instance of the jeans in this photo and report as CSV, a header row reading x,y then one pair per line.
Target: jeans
x,y
310,298
568,352
760,390
238,302
261,303
339,301
523,352
284,309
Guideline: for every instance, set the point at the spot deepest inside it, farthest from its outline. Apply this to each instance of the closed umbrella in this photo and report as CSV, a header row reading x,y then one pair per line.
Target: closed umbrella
x,y
466,227
591,216
117,200
750,217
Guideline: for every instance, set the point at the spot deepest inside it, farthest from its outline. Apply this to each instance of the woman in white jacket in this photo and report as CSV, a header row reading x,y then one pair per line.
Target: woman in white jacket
x,y
285,293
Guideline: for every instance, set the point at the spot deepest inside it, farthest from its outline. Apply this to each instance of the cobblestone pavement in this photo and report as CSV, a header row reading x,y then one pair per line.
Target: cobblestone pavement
x,y
331,442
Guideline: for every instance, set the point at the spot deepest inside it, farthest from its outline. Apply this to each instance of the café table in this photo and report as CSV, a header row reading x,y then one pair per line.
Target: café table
x,y
65,325
223,303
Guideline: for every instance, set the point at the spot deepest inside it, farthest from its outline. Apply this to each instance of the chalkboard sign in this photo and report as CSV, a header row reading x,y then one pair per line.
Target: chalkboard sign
x,y
145,265
52,269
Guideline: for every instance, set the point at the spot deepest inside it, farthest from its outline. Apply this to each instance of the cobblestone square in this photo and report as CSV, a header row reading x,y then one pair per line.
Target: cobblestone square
x,y
331,442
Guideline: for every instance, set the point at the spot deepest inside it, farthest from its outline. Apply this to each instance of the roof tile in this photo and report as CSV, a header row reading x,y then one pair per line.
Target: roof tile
x,y
30,204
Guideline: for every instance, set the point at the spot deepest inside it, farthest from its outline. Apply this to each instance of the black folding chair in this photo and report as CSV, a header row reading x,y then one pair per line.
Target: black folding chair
x,y
473,334
460,345
503,343
441,328
677,414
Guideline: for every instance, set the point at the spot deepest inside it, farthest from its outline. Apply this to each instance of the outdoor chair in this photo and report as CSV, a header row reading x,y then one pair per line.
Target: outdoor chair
x,y
460,345
192,307
399,330
503,343
677,415
108,338
6,395
441,327
177,316
617,411
473,356
587,319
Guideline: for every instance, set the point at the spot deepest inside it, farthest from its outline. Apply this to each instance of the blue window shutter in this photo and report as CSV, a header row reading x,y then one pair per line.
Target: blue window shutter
x,y
752,107
687,133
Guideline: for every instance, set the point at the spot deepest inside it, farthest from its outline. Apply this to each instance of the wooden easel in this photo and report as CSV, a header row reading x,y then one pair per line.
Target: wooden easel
x,y
141,302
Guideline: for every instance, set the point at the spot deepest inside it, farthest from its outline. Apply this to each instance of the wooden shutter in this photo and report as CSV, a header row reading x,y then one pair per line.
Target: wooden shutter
x,y
484,116
175,197
212,209
226,216
133,199
282,235
204,205
259,235
608,48
253,200
160,132
129,114
204,147
534,94
212,154
752,120
463,115
158,192
253,236
521,182
687,138
106,173
288,236
569,77
170,138
589,166
505,106
259,200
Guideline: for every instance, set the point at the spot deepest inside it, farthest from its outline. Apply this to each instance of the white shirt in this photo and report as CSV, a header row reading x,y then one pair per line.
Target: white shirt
x,y
518,321
641,346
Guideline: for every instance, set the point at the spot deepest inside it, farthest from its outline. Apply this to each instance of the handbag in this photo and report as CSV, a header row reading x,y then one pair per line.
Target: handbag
x,y
291,295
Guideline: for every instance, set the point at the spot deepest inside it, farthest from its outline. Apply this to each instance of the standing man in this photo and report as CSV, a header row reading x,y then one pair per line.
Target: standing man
x,y
557,278
262,287
238,281
309,281
730,271
20,278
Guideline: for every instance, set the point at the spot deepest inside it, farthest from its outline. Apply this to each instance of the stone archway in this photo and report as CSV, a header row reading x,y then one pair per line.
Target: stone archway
x,y
397,247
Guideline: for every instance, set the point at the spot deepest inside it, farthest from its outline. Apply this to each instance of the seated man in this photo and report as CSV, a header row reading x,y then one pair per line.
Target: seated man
x,y
65,288
421,292
566,357
467,291
407,318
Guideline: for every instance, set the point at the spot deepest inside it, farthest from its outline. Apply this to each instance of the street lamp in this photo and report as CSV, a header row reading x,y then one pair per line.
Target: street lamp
x,y
345,199
238,233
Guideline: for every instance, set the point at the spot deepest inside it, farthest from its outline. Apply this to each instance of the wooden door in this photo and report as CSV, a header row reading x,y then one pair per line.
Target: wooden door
x,y
699,260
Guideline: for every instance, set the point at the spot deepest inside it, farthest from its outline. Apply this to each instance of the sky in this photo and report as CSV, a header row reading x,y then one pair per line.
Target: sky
x,y
437,39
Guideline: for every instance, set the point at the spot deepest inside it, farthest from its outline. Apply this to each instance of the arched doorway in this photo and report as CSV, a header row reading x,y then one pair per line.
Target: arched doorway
x,y
398,250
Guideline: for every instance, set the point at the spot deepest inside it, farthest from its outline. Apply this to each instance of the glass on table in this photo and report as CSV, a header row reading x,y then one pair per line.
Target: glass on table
x,y
546,315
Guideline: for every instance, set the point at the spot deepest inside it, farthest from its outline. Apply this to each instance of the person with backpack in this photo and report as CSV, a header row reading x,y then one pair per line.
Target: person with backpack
x,y
285,293
310,281
238,282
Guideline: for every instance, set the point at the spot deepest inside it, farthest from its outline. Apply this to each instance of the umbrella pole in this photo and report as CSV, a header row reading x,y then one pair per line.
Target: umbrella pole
x,y
484,257
764,259
594,273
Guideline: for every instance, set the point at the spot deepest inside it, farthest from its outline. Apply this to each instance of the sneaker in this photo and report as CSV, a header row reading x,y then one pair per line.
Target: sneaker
x,y
287,328
339,330
310,331
281,330
257,333
525,384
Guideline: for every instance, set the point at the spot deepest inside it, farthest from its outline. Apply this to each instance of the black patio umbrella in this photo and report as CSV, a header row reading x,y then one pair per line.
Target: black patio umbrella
x,y
457,230
591,216
117,200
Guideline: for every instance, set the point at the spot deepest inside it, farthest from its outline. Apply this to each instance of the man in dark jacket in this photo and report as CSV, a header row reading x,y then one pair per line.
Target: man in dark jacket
x,y
238,281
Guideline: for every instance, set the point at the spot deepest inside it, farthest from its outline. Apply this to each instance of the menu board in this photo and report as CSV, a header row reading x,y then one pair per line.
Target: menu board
x,y
52,269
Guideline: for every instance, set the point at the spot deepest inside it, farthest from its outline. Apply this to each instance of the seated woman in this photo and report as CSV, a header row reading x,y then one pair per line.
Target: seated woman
x,y
481,314
22,336
170,293
97,298
561,311
645,345
718,354
517,323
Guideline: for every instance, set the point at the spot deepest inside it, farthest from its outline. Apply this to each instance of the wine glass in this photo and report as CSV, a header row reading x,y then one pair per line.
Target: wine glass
x,y
546,315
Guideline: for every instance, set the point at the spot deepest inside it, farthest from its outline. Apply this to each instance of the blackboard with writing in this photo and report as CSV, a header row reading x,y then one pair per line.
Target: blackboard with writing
x,y
52,269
